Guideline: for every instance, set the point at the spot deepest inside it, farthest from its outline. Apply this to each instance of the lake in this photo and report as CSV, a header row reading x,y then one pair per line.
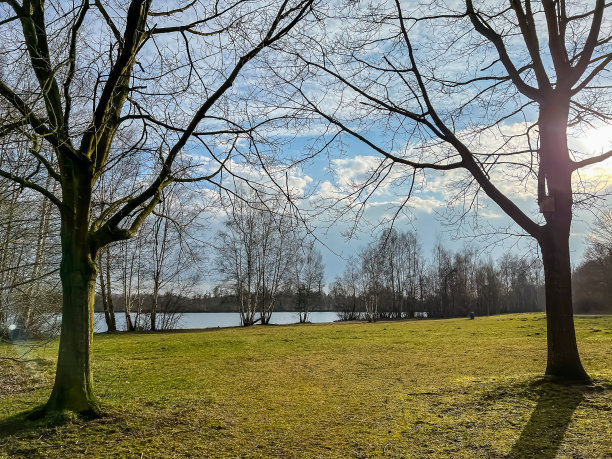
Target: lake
x,y
218,319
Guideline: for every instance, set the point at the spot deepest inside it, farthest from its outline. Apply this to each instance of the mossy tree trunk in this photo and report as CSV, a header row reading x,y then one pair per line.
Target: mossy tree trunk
x,y
78,168
73,387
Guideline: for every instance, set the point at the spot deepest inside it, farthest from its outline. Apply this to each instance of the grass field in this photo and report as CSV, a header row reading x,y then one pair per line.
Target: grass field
x,y
436,388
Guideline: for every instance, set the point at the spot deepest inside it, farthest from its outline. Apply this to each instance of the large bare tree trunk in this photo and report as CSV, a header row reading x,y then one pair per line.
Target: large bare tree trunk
x,y
73,388
556,201
563,358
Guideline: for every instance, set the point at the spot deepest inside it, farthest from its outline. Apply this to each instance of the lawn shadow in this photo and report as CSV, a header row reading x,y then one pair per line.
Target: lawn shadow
x,y
543,435
32,422
20,423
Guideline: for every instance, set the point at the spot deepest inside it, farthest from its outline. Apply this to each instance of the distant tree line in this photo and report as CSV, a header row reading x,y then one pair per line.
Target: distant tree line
x,y
151,279
391,278
268,263
592,280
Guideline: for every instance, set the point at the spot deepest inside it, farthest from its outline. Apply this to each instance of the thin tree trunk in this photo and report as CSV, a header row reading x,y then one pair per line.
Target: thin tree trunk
x,y
7,255
33,291
159,256
127,289
154,304
109,293
103,295
129,324
105,291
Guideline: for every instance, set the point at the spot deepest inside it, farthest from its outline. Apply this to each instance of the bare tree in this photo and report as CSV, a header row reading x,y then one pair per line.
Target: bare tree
x,y
106,291
443,85
236,261
372,288
600,238
28,254
254,253
129,258
345,292
520,281
443,273
488,288
175,253
162,258
98,102
308,273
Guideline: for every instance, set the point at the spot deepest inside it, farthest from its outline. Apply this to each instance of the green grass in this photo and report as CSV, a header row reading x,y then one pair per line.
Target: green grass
x,y
449,388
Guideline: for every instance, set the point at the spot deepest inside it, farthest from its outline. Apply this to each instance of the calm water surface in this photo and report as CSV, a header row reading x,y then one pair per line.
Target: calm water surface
x,y
219,319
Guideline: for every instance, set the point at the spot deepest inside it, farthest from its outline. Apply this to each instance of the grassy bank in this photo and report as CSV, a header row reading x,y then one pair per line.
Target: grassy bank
x,y
444,388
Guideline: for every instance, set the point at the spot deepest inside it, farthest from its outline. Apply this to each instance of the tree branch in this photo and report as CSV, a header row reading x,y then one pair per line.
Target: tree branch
x,y
589,45
587,162
530,36
33,186
487,32
468,159
164,177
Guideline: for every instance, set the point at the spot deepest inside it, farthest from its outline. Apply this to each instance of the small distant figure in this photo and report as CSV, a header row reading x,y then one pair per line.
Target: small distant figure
x,y
472,315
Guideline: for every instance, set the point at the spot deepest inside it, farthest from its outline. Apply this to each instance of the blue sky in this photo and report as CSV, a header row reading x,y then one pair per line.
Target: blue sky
x,y
432,220
434,202
427,213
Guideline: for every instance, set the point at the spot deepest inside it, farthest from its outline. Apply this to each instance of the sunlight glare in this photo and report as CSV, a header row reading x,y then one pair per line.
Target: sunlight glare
x,y
599,140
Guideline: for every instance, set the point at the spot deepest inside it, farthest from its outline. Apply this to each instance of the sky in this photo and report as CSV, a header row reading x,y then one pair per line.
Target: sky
x,y
434,206
427,213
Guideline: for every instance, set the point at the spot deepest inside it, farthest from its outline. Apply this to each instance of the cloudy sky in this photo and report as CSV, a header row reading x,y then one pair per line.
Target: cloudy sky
x,y
432,211
443,206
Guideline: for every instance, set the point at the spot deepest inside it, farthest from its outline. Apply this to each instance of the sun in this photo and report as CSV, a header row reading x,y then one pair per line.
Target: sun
x,y
591,143
598,139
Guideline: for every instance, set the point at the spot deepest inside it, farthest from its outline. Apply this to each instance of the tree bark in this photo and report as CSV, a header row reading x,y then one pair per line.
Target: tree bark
x,y
127,289
563,359
109,293
73,388
106,293
556,201
154,305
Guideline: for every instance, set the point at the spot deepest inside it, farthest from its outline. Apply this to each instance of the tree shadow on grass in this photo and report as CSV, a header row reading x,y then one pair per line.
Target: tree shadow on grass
x,y
543,435
19,424
32,422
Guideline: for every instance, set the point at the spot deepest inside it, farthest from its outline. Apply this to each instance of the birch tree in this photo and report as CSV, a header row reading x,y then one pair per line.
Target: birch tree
x,y
254,253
